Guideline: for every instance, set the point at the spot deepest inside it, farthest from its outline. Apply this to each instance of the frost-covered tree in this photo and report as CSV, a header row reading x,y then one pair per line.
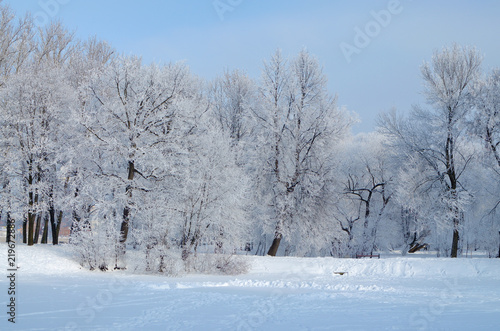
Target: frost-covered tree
x,y
437,137
17,42
300,122
90,59
55,44
367,188
234,103
486,126
233,100
37,99
214,194
131,115
126,112
199,208
16,39
160,163
33,106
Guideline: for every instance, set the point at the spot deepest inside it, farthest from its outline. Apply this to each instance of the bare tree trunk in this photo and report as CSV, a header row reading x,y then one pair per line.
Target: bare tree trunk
x,y
37,228
31,215
415,248
278,233
11,227
31,218
55,225
450,170
31,228
25,232
273,250
454,244
126,211
498,256
45,234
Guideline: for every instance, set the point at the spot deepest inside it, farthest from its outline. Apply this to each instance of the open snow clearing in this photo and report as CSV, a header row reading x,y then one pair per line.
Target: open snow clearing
x,y
281,293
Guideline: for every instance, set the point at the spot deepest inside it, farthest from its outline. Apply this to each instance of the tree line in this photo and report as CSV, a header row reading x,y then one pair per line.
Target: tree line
x,y
152,158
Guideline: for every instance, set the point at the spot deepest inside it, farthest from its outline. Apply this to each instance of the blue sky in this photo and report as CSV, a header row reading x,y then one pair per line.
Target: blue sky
x,y
382,74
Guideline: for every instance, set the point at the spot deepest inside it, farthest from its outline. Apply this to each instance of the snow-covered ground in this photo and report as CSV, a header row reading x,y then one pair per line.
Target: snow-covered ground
x,y
395,293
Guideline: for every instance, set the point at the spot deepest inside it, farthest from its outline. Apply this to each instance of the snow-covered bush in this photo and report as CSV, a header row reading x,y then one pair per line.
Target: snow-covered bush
x,y
96,248
225,264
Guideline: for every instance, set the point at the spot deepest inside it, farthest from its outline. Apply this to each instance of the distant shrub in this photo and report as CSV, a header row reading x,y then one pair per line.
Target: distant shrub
x,y
224,264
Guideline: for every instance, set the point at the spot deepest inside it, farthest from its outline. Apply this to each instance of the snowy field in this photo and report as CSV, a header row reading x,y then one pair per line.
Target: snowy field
x,y
391,293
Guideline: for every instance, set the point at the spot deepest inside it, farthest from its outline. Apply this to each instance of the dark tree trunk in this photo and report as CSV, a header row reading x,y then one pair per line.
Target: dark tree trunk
x,y
456,235
273,250
415,248
498,256
126,211
37,228
25,232
31,228
454,244
58,228
45,233
55,225
31,219
31,202
11,228
452,176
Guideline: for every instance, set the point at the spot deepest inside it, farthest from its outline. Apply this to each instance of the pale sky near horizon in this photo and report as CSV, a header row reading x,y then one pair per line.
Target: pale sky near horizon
x,y
212,35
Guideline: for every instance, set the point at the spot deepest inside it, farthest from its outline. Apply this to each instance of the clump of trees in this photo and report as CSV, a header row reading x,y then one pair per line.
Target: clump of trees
x,y
149,160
